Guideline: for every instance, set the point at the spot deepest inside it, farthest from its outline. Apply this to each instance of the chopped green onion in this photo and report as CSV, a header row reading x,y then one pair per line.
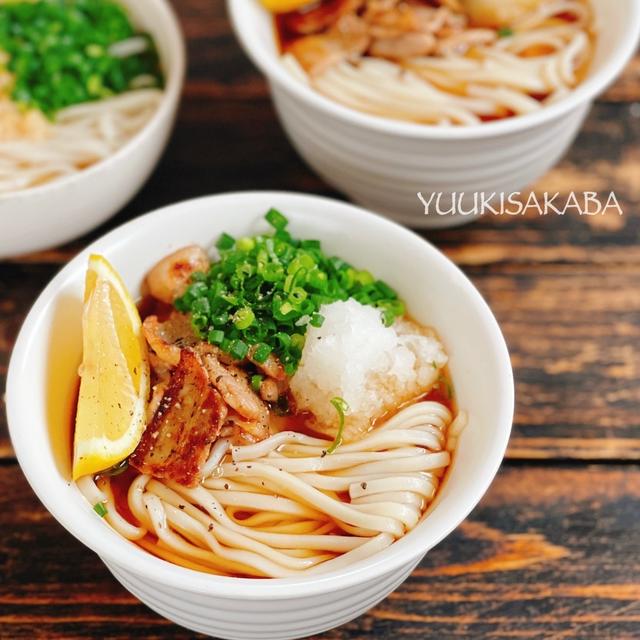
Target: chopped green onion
x,y
317,320
246,244
243,318
261,353
215,336
341,407
225,242
272,272
238,349
65,52
505,32
276,219
364,278
100,509
116,469
286,308
256,381
297,295
284,339
297,341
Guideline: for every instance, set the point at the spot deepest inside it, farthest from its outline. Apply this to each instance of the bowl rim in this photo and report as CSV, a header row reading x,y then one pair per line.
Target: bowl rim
x,y
175,70
586,91
112,548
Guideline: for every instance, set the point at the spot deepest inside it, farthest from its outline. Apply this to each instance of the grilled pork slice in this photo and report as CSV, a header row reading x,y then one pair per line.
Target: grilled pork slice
x,y
168,338
177,441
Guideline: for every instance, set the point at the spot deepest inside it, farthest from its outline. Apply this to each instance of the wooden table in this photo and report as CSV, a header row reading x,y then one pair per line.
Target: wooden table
x,y
551,552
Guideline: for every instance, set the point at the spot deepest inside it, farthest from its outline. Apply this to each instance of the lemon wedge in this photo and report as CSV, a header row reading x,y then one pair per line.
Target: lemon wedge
x,y
283,6
114,375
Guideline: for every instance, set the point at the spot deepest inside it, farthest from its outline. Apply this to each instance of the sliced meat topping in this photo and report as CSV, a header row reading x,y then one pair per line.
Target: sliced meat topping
x,y
168,338
177,441
346,40
170,277
233,385
272,366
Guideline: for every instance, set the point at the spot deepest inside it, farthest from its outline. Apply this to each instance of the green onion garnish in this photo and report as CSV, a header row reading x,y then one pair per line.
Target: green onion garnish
x,y
215,336
225,242
264,292
276,219
238,349
449,390
505,32
116,469
341,407
100,509
64,52
256,381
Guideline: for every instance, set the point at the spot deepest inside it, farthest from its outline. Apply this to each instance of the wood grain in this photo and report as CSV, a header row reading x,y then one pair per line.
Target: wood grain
x,y
549,553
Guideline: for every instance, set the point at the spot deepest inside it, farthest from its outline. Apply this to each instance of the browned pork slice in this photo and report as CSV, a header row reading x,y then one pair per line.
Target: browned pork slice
x,y
231,381
168,338
177,441
170,277
346,40
321,17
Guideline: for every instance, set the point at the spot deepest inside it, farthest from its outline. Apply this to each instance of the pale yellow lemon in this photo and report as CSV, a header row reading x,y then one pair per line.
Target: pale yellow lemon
x,y
114,375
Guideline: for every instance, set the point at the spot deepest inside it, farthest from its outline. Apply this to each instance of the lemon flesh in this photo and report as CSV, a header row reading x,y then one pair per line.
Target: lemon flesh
x,y
114,375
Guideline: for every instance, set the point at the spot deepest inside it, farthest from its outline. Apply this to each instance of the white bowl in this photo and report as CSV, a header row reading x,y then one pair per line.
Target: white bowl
x,y
382,164
64,209
42,382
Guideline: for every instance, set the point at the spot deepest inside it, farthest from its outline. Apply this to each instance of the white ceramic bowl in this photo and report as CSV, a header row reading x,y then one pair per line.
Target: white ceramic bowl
x,y
41,385
382,164
64,209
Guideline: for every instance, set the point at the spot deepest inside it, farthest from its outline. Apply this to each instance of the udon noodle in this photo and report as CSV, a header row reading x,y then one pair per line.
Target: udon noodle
x,y
283,507
429,62
81,136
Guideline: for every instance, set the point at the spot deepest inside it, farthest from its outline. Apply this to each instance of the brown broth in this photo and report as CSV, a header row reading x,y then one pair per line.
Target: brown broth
x,y
150,306
120,485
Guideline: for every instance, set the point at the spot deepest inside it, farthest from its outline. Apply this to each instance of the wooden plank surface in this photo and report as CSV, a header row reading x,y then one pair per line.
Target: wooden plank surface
x,y
549,553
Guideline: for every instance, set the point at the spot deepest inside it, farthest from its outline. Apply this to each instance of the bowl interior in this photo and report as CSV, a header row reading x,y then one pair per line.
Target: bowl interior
x,y
618,25
43,370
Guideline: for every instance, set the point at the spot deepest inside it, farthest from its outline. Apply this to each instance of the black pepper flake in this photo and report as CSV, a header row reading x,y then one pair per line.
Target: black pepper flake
x,y
364,486
180,506
226,486
210,527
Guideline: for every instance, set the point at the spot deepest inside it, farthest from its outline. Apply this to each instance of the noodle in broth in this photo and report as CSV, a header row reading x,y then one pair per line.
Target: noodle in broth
x,y
81,136
459,73
283,507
